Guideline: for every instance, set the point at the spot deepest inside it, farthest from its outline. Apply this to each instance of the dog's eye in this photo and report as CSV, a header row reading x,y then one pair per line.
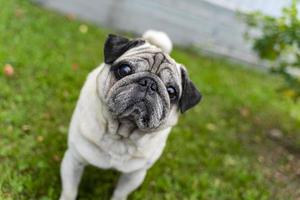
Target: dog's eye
x,y
172,92
124,70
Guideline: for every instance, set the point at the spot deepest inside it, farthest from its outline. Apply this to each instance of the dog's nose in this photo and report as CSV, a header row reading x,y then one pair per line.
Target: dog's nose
x,y
148,83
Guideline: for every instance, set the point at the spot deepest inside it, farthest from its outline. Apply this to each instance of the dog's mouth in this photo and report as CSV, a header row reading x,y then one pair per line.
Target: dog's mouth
x,y
141,115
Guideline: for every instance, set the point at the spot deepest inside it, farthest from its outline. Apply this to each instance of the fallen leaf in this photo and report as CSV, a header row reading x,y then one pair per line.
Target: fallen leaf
x,y
8,70
26,128
40,138
83,28
245,112
75,66
56,158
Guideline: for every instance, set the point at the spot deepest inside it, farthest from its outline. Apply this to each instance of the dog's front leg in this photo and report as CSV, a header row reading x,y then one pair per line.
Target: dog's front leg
x,y
127,183
71,171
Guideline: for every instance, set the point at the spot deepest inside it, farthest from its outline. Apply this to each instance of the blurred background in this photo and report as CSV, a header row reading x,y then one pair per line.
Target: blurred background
x,y
211,25
241,142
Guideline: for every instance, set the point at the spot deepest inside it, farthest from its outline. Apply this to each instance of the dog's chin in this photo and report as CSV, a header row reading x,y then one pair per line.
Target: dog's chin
x,y
139,115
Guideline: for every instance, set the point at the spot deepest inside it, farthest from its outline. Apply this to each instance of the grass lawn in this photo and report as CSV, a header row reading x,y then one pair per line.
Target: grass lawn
x,y
228,147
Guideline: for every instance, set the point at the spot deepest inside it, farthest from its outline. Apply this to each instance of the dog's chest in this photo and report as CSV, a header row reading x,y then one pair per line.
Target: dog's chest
x,y
133,152
126,154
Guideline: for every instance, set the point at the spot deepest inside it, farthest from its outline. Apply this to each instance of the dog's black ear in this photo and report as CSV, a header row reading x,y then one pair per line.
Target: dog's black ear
x,y
190,95
116,45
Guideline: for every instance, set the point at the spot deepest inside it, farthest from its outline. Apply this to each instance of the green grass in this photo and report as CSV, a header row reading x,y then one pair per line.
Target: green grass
x,y
219,150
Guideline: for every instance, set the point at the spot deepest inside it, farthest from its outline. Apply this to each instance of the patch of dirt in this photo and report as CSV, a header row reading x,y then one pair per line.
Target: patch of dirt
x,y
280,160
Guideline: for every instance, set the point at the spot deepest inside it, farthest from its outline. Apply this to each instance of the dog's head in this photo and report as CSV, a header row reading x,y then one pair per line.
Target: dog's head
x,y
145,85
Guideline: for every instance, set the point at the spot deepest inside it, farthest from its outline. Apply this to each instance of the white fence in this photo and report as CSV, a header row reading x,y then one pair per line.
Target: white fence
x,y
209,24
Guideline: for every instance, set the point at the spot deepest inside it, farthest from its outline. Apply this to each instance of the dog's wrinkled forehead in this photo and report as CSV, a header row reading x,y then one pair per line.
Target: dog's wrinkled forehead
x,y
149,58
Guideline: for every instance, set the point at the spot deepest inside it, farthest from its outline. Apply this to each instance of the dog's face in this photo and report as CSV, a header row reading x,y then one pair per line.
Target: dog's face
x,y
144,85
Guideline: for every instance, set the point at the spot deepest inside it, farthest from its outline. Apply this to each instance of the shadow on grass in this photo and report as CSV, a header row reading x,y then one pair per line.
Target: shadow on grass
x,y
97,183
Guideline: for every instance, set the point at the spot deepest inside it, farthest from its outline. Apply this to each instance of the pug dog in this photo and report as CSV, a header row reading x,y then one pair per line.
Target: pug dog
x,y
125,112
